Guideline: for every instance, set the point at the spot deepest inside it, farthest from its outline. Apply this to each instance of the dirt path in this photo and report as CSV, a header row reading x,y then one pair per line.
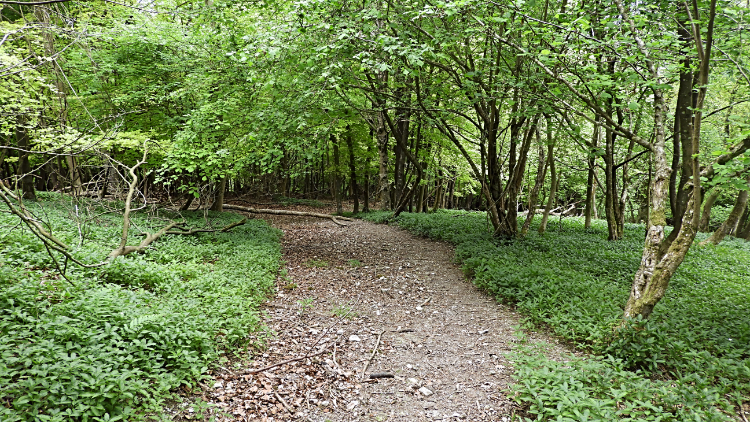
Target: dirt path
x,y
348,289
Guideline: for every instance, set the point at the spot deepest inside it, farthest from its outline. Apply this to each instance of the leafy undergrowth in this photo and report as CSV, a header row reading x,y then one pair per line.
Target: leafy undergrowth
x,y
111,343
689,362
286,201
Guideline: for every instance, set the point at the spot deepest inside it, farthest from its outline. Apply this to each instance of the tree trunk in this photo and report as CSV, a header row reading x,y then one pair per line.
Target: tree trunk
x,y
352,170
729,226
624,189
744,231
590,181
682,141
336,174
662,256
384,186
517,169
366,206
74,174
218,204
708,204
438,190
189,197
656,269
420,199
24,168
105,182
541,174
612,200
552,188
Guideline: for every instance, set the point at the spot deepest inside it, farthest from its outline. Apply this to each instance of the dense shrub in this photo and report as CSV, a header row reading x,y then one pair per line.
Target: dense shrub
x,y
115,340
694,350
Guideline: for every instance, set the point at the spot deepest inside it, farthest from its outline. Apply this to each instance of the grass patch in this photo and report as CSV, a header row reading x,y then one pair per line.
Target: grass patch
x,y
316,263
689,361
283,200
344,311
115,342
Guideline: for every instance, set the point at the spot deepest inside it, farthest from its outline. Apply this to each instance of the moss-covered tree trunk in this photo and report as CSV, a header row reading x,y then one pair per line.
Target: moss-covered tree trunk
x,y
662,256
658,265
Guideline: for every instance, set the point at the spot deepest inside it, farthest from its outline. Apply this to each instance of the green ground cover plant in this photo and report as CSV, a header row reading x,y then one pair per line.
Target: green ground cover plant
x,y
111,343
689,362
286,201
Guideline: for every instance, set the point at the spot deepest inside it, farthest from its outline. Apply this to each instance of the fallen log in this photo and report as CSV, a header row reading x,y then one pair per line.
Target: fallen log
x,y
334,218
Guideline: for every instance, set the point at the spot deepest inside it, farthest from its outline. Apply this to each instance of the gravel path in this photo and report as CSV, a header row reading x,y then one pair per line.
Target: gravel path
x,y
441,341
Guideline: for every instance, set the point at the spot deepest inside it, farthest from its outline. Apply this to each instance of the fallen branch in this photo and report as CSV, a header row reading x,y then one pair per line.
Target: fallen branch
x,y
333,218
553,212
150,237
374,351
283,403
225,229
284,362
377,375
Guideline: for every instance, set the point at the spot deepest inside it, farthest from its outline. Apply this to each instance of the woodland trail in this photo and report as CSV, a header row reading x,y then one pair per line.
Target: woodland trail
x,y
348,289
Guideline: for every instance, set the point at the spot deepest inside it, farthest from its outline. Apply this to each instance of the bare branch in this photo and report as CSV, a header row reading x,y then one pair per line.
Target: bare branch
x,y
334,218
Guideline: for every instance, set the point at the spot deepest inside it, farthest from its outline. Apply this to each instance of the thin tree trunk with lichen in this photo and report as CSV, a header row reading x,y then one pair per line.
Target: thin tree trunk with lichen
x,y
662,256
657,265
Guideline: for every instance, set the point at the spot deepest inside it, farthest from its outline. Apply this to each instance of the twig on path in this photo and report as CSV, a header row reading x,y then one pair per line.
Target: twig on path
x,y
381,375
266,368
323,333
334,356
374,351
425,302
283,403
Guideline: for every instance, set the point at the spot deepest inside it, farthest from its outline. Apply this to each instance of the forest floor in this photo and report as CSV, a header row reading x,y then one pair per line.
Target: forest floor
x,y
376,325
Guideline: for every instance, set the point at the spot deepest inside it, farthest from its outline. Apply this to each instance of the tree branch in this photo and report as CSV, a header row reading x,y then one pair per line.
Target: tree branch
x,y
334,218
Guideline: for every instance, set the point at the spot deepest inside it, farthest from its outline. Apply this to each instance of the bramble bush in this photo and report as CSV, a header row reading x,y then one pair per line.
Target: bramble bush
x,y
689,361
111,344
